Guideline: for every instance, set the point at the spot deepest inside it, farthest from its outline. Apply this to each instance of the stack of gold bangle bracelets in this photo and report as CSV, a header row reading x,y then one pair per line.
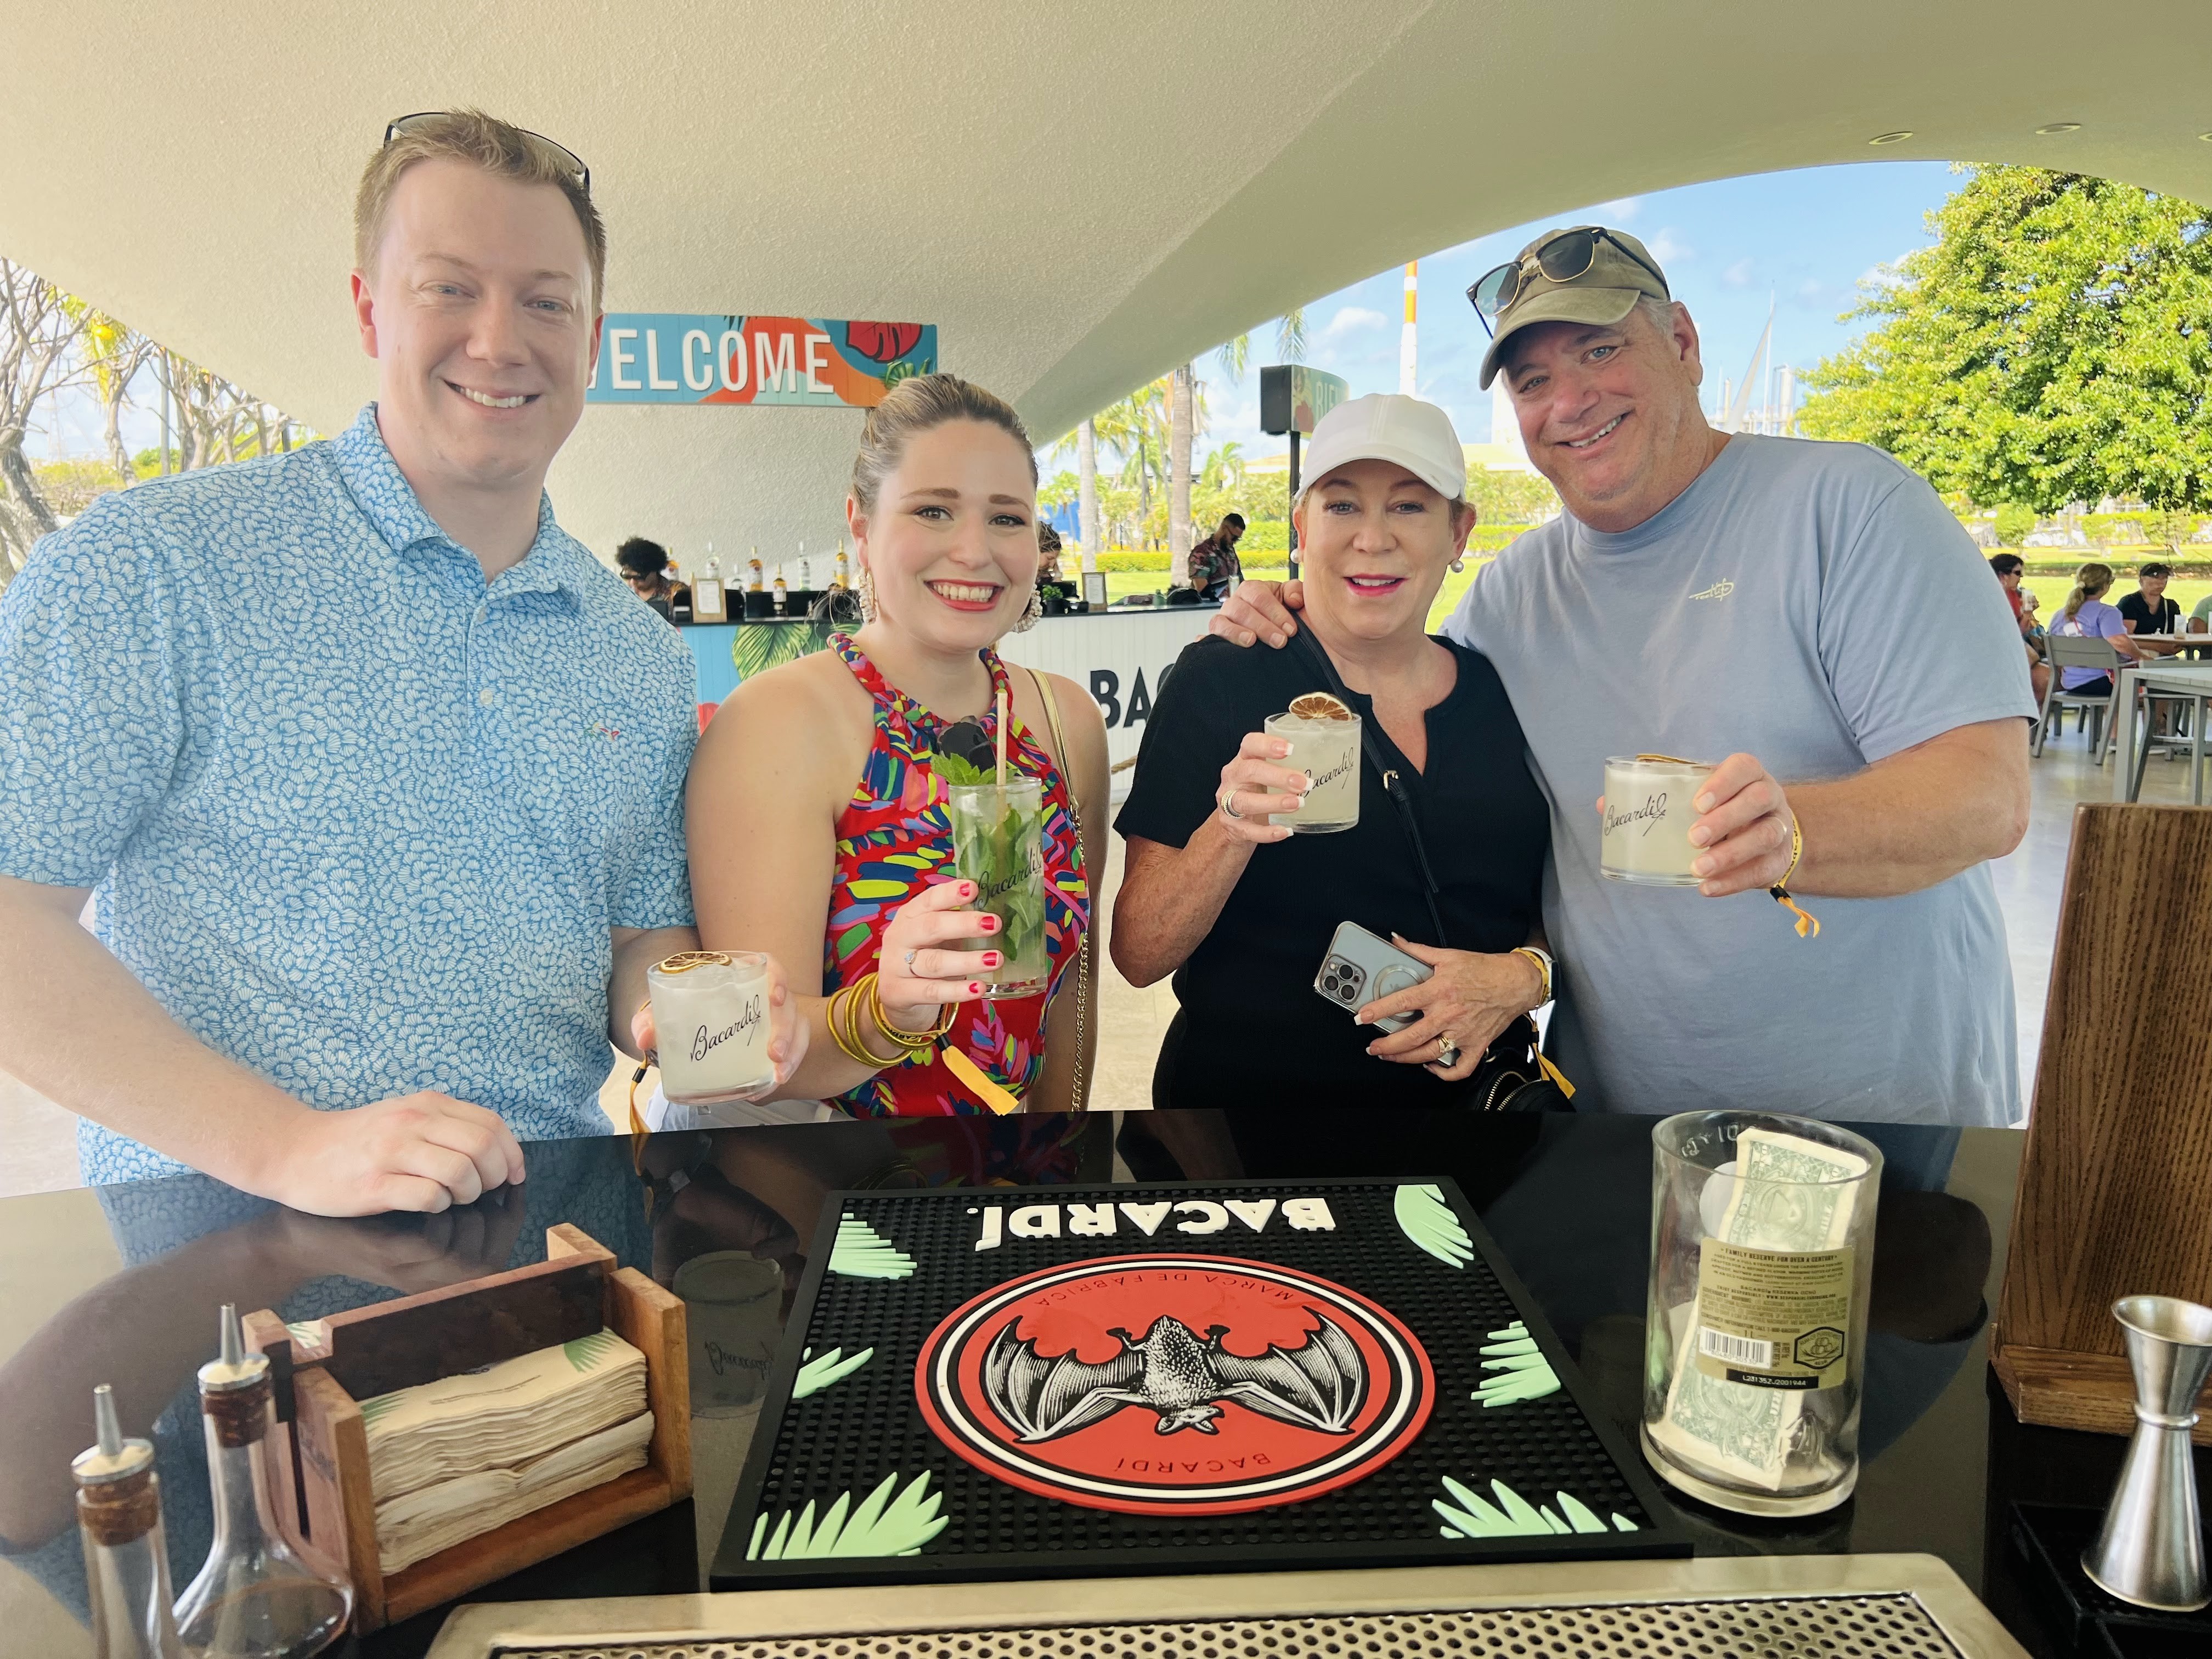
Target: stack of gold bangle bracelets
x,y
845,1026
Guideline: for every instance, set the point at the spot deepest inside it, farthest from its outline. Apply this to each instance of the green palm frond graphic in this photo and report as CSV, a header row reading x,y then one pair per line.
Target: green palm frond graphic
x,y
861,1252
1426,1219
881,1525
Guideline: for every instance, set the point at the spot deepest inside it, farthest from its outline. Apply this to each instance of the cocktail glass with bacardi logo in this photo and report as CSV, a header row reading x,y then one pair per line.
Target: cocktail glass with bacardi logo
x,y
710,1016
1648,810
998,843
1324,739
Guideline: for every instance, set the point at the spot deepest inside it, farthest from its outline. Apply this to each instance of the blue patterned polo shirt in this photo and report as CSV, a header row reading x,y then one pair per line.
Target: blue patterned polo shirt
x,y
358,820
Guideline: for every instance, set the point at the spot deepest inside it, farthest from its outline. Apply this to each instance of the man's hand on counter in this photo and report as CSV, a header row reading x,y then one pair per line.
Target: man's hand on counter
x,y
421,1152
408,1254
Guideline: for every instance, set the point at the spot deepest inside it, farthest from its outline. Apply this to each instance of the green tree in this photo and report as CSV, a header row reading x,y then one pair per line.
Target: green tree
x,y
2054,345
2015,523
1505,497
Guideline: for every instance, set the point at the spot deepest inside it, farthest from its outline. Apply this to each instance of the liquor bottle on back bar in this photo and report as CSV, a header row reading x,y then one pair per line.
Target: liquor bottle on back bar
x,y
782,591
709,603
844,569
756,578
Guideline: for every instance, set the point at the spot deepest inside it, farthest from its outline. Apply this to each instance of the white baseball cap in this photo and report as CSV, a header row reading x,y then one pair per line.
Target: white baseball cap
x,y
1389,426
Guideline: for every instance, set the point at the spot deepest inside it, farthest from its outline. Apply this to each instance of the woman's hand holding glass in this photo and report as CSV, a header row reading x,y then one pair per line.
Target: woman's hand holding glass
x,y
1467,1002
918,972
1253,785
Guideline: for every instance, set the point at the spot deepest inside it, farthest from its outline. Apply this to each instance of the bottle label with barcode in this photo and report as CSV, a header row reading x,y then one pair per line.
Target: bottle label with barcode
x,y
1740,1350
1773,1319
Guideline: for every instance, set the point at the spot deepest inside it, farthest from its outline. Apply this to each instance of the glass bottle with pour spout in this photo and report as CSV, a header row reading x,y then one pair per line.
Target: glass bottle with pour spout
x,y
126,1564
254,1598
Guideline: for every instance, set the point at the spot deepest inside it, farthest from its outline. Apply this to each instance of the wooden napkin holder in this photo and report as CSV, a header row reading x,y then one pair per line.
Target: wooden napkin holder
x,y
2115,1194
576,1292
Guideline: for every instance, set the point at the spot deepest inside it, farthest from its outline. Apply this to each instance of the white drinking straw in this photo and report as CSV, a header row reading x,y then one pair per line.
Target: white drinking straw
x,y
1002,739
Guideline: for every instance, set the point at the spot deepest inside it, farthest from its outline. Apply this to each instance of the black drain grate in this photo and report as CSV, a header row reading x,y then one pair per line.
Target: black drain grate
x,y
848,1437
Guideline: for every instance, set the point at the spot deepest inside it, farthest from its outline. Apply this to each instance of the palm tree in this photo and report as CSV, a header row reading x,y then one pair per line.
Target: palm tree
x,y
1290,343
1134,430
1180,398
1086,493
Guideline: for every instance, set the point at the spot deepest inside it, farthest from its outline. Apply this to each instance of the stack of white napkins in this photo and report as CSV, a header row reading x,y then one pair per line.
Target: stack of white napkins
x,y
453,1458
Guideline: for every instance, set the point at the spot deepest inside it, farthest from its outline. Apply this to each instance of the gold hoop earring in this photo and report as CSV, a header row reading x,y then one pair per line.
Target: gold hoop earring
x,y
1029,614
867,592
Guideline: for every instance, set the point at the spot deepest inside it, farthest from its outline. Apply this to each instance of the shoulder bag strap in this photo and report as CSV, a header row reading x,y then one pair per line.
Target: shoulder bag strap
x,y
1080,1094
1371,747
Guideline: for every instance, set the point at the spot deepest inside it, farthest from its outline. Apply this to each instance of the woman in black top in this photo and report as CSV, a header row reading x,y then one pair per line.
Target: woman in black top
x,y
1241,911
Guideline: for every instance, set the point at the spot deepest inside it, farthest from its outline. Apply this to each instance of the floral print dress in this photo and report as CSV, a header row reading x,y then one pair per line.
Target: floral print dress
x,y
895,838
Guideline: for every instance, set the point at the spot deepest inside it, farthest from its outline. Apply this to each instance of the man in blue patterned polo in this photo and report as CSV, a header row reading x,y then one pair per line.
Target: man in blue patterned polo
x,y
374,775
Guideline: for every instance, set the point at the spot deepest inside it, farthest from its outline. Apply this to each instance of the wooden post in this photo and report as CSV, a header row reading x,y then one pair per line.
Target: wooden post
x,y
2115,1195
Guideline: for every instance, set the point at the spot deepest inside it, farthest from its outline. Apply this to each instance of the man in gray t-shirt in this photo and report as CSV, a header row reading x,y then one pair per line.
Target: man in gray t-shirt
x,y
1759,598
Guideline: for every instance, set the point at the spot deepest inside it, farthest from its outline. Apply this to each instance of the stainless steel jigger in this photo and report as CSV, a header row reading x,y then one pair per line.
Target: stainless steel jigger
x,y
2152,1550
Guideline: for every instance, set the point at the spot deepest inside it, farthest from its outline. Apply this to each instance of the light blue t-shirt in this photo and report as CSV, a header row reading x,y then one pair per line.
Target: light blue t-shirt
x,y
357,820
2095,620
1782,606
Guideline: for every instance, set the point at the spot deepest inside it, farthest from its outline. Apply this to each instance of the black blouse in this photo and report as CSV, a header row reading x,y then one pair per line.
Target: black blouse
x,y
1252,1027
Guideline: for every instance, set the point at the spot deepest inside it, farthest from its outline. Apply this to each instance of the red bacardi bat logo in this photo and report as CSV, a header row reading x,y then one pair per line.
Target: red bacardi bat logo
x,y
1250,1385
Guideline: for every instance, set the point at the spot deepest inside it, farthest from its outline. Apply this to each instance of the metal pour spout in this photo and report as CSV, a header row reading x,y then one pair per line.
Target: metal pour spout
x,y
2151,1552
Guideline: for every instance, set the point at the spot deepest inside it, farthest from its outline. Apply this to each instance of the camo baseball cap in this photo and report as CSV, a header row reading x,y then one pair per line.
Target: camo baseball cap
x,y
1621,270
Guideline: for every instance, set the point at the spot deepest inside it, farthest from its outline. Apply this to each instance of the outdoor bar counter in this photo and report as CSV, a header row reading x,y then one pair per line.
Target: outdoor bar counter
x,y
1119,656
121,1285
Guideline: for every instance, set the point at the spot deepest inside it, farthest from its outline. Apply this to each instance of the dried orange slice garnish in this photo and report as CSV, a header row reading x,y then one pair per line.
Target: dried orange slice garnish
x,y
1319,706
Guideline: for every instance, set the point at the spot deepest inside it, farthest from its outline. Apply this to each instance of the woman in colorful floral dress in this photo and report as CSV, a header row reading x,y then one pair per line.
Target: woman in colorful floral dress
x,y
818,807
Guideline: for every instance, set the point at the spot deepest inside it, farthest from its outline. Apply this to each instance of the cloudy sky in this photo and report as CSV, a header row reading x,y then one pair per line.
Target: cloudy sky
x,y
1804,239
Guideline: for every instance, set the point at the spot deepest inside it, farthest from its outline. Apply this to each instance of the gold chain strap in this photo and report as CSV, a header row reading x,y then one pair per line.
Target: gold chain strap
x,y
1080,1094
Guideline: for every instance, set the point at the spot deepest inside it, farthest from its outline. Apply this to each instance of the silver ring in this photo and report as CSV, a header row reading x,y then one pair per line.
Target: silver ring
x,y
1223,799
910,955
1447,1052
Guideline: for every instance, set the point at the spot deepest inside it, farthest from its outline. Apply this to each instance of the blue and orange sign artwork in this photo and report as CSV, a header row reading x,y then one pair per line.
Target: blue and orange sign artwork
x,y
659,357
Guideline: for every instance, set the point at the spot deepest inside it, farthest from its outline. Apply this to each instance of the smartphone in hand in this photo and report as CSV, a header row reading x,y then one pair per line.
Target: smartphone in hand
x,y
1361,968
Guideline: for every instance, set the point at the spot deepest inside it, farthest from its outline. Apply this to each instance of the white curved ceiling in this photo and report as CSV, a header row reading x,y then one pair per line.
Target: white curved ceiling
x,y
1080,197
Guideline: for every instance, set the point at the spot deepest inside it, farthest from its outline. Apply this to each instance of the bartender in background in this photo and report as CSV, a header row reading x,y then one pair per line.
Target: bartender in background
x,y
1215,568
645,567
1048,547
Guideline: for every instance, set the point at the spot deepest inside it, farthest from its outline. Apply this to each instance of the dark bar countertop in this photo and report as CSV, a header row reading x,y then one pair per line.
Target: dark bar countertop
x,y
120,1285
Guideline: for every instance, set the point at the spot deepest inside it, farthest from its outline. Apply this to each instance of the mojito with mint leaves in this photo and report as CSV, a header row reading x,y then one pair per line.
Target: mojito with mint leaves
x,y
998,843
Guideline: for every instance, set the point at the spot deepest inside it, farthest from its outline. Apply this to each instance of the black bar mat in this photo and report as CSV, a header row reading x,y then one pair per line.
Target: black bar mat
x,y
1215,1376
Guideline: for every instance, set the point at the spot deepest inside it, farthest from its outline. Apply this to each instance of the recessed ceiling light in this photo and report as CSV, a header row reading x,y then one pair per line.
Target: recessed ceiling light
x,y
1890,139
2051,129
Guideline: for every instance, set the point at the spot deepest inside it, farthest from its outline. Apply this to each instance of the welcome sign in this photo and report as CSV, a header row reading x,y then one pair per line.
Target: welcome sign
x,y
665,357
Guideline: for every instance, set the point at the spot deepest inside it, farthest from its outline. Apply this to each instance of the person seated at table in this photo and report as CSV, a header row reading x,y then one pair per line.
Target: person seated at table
x,y
2007,568
2148,611
2200,619
645,567
2086,615
818,816
1242,914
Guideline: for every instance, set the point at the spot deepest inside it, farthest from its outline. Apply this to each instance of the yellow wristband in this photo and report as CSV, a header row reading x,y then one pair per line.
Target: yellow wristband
x,y
1808,926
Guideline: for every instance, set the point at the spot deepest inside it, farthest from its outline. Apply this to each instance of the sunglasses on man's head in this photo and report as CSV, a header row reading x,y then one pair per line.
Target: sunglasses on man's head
x,y
408,123
1562,259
